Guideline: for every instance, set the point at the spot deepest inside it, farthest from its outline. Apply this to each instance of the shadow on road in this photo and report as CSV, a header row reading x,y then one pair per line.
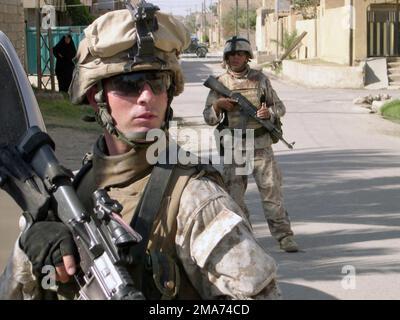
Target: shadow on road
x,y
343,204
292,291
198,71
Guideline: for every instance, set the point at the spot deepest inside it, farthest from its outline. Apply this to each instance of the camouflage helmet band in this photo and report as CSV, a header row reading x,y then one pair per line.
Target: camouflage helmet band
x,y
235,44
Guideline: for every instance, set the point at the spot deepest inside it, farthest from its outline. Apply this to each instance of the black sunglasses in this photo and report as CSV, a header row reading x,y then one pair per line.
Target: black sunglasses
x,y
132,84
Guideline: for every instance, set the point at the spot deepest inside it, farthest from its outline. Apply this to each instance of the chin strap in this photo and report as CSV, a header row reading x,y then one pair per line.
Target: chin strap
x,y
103,117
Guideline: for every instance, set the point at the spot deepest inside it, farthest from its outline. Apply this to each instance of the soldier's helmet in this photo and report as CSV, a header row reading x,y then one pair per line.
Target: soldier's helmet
x,y
237,44
126,41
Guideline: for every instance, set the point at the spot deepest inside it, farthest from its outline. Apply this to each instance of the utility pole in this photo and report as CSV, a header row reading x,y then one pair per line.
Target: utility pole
x,y
237,18
351,36
396,30
202,22
316,29
277,29
247,20
219,14
205,21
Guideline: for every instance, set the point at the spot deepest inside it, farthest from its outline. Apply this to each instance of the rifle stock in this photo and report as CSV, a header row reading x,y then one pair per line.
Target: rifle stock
x,y
246,108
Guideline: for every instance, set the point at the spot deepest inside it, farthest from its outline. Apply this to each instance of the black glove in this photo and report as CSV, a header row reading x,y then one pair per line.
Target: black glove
x,y
45,243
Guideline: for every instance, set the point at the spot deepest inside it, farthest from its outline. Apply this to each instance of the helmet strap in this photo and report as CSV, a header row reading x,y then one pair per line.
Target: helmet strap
x,y
104,118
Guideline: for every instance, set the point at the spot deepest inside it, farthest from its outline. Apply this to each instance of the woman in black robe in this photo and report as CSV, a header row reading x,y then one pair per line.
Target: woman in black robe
x,y
64,51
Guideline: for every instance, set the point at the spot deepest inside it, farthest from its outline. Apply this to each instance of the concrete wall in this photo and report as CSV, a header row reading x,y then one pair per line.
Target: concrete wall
x,y
270,32
340,17
12,24
335,33
360,29
261,32
336,19
323,76
376,73
307,48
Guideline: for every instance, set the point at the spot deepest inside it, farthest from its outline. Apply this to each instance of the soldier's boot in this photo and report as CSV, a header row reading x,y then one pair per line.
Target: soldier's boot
x,y
288,244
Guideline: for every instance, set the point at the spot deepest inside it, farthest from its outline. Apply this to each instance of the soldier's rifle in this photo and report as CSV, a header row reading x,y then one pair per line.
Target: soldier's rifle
x,y
247,109
31,174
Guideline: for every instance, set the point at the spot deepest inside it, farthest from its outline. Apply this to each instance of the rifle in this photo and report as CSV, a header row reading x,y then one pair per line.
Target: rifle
x,y
33,177
247,109
31,174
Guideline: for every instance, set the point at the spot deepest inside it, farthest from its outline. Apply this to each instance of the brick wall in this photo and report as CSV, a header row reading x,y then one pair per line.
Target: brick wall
x,y
13,25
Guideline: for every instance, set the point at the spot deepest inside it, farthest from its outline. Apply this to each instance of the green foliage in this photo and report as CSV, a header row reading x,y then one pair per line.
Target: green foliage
x,y
229,21
80,14
213,8
287,41
306,7
205,39
391,110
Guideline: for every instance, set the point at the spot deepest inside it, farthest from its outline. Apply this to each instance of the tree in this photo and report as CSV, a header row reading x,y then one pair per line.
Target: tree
x,y
214,9
190,23
229,21
306,8
78,13
287,41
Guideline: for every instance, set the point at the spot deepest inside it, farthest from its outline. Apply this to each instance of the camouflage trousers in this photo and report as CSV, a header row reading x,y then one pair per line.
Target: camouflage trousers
x,y
268,178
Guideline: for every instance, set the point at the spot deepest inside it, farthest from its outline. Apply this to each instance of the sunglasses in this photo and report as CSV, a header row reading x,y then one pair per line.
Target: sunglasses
x,y
132,84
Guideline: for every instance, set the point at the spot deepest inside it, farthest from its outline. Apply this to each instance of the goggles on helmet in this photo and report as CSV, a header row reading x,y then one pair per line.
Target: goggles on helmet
x,y
132,84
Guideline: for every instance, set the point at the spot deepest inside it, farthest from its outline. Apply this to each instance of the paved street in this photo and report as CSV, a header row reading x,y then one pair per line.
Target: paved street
x,y
341,185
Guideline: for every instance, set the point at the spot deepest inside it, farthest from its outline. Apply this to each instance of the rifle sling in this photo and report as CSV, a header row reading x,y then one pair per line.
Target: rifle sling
x,y
148,207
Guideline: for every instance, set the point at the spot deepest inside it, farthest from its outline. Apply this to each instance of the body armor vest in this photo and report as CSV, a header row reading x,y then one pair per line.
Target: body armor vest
x,y
249,89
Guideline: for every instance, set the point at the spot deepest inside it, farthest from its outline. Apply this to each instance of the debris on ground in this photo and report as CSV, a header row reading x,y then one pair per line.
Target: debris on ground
x,y
373,102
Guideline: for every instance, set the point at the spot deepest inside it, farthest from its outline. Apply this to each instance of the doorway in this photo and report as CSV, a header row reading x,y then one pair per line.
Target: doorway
x,y
383,36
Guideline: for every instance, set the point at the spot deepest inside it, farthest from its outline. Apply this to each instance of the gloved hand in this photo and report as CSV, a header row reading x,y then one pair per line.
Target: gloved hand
x,y
50,243
224,104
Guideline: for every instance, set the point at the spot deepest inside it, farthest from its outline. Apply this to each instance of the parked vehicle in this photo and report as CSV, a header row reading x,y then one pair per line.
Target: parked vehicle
x,y
200,49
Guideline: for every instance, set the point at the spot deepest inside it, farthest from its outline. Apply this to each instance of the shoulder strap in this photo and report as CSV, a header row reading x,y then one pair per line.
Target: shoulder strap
x,y
147,209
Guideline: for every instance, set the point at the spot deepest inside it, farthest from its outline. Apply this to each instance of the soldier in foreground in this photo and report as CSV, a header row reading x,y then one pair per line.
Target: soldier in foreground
x,y
255,86
200,244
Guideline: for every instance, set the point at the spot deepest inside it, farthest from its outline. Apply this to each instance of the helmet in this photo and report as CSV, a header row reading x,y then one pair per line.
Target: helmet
x,y
128,41
237,44
111,46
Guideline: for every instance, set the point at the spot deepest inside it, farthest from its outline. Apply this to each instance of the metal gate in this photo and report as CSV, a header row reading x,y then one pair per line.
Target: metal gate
x,y
76,33
383,36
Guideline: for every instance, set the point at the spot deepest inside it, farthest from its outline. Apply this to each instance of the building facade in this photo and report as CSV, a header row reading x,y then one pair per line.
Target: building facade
x,y
344,31
12,24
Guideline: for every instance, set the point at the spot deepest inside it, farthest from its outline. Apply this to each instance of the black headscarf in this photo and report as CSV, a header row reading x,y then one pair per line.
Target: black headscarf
x,y
64,53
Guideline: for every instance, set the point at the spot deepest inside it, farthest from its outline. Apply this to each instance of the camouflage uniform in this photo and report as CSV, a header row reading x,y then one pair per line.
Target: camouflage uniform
x,y
253,84
199,226
213,241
